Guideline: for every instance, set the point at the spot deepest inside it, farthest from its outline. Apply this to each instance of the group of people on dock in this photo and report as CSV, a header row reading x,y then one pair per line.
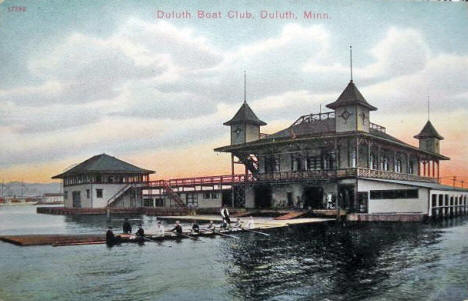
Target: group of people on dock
x,y
111,238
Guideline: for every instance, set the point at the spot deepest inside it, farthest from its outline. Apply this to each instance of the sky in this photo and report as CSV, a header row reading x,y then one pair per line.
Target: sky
x,y
80,78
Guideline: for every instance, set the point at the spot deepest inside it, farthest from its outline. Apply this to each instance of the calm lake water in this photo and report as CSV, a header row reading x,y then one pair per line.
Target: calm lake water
x,y
321,262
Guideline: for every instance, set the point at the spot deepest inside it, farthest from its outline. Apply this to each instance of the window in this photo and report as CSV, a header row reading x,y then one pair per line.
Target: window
x,y
65,195
394,194
272,164
148,202
434,200
99,193
87,193
206,195
214,195
441,200
192,198
385,164
398,165
159,203
373,161
313,163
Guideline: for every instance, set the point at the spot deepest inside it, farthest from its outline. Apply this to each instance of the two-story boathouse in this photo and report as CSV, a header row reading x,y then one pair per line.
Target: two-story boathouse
x,y
340,159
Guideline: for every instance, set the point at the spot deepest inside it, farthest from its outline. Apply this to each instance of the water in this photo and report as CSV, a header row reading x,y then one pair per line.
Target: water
x,y
322,262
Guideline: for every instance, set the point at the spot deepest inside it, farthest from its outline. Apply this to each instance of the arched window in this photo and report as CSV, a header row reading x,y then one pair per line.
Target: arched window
x,y
385,163
398,165
373,164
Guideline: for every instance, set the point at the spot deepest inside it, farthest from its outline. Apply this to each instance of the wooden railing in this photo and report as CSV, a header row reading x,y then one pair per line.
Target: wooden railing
x,y
377,127
390,175
212,180
341,173
286,176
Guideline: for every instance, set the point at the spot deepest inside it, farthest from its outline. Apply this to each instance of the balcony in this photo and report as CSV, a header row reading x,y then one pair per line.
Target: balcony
x,y
326,175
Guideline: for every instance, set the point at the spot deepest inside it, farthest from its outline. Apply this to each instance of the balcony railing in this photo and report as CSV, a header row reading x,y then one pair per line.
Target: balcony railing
x,y
390,175
377,127
324,175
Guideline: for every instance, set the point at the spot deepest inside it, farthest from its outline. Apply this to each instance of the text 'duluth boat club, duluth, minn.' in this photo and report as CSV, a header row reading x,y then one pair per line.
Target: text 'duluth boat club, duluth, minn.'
x,y
242,14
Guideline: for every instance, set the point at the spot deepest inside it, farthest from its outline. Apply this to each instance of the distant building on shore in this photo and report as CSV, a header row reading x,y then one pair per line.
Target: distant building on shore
x,y
52,198
103,181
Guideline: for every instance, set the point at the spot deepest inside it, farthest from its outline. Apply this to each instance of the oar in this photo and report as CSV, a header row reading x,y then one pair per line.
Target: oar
x,y
258,232
188,236
227,235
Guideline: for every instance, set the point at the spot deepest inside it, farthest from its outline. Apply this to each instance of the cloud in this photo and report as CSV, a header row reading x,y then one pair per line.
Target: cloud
x,y
156,86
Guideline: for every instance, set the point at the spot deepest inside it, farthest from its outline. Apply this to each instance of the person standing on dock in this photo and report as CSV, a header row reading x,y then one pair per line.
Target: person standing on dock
x,y
126,227
225,215
177,228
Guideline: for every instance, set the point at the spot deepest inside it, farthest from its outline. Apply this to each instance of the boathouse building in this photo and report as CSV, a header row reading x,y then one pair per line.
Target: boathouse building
x,y
103,181
340,159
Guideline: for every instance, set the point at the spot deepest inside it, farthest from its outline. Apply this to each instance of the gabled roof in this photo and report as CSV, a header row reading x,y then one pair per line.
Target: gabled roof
x,y
428,131
245,115
350,96
103,164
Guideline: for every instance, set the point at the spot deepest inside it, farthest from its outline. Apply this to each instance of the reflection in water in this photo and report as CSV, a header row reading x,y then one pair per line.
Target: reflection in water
x,y
327,260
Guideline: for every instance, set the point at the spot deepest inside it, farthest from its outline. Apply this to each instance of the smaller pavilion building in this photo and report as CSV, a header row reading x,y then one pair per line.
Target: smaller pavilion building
x,y
103,181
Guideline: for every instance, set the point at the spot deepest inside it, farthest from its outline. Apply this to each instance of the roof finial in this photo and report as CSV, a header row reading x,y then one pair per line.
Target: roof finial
x,y
351,60
245,87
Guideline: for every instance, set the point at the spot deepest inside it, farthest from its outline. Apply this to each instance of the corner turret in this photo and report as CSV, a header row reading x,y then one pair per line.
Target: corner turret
x,y
429,139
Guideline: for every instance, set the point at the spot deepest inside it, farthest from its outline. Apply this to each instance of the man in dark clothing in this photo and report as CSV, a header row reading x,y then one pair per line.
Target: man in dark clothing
x,y
177,228
111,238
140,231
195,227
127,228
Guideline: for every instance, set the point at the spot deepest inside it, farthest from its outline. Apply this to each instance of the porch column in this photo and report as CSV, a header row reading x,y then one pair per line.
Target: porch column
x,y
378,157
407,163
419,166
368,154
438,170
433,169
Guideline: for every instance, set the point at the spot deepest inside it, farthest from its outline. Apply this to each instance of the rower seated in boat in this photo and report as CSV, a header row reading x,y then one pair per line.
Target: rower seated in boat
x,y
177,228
195,227
140,232
111,238
250,223
238,224
211,226
126,227
159,229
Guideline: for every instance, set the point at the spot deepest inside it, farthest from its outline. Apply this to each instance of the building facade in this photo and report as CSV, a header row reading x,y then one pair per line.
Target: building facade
x,y
339,159
103,181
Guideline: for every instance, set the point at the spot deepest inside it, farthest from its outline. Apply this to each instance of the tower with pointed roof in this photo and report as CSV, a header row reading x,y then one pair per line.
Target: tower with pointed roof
x,y
429,138
245,125
351,110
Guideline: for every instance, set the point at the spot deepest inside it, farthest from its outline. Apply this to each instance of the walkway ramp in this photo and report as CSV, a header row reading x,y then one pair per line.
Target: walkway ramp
x,y
291,215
